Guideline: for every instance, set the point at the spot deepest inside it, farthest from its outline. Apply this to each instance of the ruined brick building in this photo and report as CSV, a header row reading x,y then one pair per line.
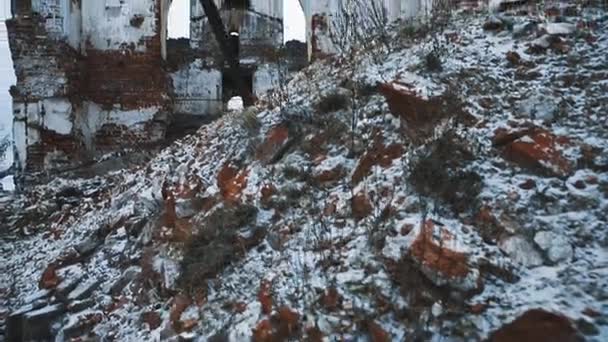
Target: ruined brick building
x,y
95,75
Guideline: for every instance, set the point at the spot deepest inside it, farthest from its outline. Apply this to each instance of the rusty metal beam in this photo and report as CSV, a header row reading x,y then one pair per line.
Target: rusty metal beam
x,y
219,30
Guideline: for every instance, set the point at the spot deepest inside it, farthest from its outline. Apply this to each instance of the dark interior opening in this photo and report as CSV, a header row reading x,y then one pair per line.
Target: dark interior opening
x,y
234,42
237,4
230,90
21,7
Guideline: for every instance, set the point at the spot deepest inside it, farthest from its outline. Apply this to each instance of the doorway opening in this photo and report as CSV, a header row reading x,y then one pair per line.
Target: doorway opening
x,y
230,89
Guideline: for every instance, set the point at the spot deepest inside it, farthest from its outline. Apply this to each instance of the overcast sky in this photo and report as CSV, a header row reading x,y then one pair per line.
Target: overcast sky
x,y
5,9
293,20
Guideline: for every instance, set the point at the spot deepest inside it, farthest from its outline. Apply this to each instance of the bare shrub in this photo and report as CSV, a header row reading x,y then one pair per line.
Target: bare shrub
x,y
216,244
332,102
436,24
441,174
249,121
360,25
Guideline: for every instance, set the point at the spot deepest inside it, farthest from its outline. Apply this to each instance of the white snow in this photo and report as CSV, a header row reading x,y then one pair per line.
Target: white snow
x,y
319,250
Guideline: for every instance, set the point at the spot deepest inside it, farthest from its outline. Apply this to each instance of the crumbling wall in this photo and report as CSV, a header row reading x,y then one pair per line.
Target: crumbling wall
x,y
260,34
197,89
261,27
89,79
47,74
321,14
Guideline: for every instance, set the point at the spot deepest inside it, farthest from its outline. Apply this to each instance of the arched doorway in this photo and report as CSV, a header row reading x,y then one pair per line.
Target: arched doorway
x,y
294,21
178,25
175,23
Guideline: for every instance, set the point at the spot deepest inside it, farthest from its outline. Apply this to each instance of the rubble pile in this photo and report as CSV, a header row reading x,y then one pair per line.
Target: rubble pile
x,y
398,204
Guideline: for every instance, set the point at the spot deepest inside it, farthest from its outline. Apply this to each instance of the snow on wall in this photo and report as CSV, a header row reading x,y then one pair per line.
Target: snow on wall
x,y
320,13
20,143
57,115
265,78
97,116
197,90
271,8
72,26
112,25
54,13
262,25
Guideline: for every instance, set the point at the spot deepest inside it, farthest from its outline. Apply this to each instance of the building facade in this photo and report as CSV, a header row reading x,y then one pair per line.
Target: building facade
x,y
97,75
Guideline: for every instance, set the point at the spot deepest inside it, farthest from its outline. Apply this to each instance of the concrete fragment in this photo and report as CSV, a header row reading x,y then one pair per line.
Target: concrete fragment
x,y
81,305
563,29
36,325
186,207
493,23
37,296
556,246
88,246
14,330
127,277
520,251
83,290
539,106
66,287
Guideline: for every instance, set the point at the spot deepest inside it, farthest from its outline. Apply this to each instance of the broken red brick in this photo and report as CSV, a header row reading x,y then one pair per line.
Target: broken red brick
x,y
116,304
514,58
263,332
528,184
361,206
188,325
330,208
406,229
180,304
540,151
314,334
276,140
231,182
265,297
438,256
420,115
49,279
152,318
537,325
478,308
589,312
240,307
503,136
378,154
331,299
329,176
377,333
288,322
580,184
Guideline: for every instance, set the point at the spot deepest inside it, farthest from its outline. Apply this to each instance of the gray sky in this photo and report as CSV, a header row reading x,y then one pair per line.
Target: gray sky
x,y
5,9
293,19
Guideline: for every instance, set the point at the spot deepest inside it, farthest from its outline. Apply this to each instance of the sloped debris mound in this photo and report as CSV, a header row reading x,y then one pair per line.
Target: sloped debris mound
x,y
283,222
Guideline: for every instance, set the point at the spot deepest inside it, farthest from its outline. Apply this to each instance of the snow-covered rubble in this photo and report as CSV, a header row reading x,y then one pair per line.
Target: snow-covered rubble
x,y
296,220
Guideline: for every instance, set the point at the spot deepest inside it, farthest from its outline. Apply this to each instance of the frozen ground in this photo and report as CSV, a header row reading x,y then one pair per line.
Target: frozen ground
x,y
292,220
